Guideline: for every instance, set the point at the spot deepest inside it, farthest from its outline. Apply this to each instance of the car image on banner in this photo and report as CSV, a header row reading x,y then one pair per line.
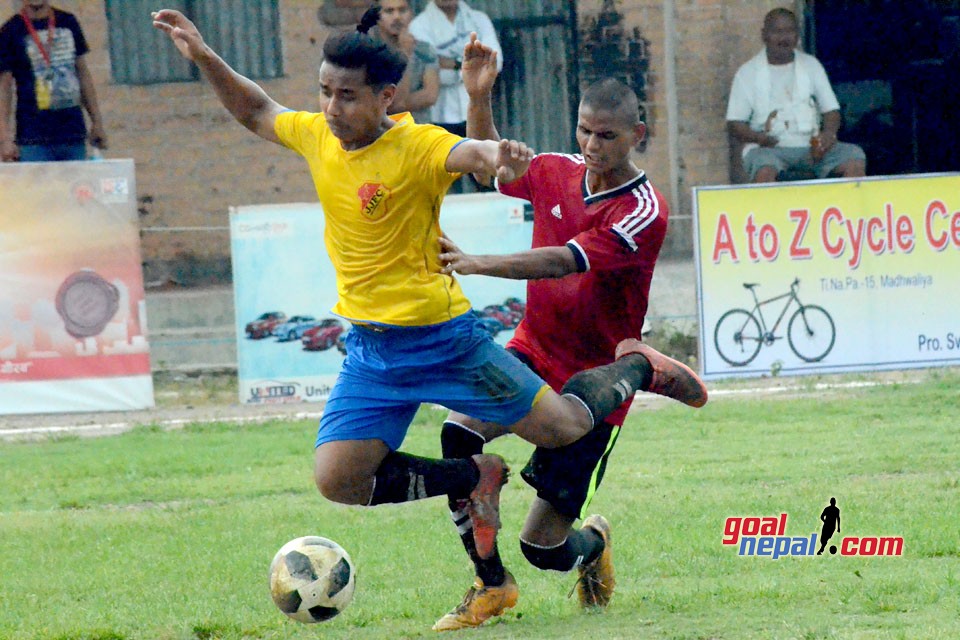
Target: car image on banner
x,y
294,328
323,335
263,326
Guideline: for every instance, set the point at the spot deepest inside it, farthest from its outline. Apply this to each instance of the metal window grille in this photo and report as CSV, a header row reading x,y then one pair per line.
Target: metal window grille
x,y
246,33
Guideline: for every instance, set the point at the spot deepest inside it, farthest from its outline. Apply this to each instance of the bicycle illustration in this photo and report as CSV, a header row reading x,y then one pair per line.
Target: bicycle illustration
x,y
740,333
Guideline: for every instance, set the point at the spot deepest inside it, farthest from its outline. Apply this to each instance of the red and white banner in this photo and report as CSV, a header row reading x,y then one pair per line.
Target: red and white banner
x,y
72,306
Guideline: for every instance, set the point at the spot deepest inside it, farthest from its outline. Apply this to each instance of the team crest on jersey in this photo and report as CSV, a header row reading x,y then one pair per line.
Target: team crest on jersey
x,y
373,199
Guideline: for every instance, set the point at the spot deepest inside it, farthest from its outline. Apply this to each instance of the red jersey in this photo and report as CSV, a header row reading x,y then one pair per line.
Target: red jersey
x,y
575,322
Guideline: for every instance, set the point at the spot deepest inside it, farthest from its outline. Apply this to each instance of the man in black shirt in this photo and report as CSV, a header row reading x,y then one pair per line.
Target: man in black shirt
x,y
42,53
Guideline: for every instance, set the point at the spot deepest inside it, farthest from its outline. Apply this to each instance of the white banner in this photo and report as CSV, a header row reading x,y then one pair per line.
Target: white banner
x,y
828,276
72,322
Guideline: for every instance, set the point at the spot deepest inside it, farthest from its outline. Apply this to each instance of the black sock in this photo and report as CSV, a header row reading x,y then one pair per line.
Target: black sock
x,y
457,441
603,389
581,547
402,477
490,570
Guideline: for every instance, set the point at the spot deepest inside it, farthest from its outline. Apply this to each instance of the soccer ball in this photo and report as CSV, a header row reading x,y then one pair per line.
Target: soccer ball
x,y
312,579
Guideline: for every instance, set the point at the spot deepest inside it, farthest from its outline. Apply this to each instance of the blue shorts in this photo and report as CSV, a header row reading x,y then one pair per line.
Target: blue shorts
x,y
390,371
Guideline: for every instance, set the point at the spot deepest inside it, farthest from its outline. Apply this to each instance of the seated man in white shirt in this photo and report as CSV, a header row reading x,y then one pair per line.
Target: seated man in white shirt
x,y
783,109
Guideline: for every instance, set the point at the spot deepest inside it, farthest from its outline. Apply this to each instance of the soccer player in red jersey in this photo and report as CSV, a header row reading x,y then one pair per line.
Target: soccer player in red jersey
x,y
597,231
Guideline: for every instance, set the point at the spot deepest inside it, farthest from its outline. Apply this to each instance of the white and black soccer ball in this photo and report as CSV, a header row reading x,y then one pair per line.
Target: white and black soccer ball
x,y
312,579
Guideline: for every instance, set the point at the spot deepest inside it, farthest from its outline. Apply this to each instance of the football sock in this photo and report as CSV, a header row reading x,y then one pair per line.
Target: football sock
x,y
402,477
603,389
581,547
490,570
457,441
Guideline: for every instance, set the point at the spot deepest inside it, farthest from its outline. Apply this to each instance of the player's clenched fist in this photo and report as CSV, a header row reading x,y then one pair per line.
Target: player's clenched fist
x,y
513,159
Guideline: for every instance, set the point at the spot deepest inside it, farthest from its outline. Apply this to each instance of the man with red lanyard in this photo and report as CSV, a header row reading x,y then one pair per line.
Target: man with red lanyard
x,y
42,52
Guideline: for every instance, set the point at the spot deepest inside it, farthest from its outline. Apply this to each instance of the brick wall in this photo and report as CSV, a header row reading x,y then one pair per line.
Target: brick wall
x,y
194,162
647,17
714,37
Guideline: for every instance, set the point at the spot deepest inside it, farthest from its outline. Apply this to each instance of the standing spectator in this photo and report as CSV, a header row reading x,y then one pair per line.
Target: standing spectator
x,y
420,86
783,109
447,25
42,53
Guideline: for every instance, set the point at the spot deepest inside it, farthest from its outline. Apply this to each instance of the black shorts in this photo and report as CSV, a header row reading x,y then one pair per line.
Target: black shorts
x,y
568,477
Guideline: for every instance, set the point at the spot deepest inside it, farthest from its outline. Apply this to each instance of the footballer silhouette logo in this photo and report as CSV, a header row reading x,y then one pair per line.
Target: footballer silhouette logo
x,y
830,517
857,545
373,199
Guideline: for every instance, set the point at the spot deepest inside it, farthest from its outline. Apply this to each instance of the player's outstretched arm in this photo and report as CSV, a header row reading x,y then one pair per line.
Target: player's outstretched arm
x,y
242,97
542,262
479,72
506,159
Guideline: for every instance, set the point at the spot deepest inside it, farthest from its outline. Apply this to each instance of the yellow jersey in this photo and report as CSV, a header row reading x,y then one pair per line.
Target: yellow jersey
x,y
381,205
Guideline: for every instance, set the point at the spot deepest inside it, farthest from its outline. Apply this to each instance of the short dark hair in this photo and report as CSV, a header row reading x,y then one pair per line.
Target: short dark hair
x,y
610,94
359,50
780,12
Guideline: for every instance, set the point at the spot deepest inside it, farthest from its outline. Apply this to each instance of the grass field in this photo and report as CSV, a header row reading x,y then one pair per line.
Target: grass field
x,y
167,534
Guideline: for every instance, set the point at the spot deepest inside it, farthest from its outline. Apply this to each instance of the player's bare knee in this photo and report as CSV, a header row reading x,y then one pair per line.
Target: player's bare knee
x,y
567,433
554,427
325,484
578,420
853,169
766,174
336,488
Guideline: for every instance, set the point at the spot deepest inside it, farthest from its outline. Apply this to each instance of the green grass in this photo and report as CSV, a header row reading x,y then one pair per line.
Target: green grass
x,y
167,534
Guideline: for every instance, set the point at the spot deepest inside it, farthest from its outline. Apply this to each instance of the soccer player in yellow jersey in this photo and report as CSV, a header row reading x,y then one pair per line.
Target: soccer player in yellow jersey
x,y
381,180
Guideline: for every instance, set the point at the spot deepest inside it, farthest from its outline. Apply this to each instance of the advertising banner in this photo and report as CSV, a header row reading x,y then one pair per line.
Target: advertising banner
x,y
72,321
289,344
849,275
